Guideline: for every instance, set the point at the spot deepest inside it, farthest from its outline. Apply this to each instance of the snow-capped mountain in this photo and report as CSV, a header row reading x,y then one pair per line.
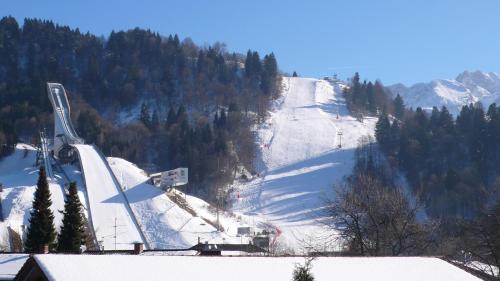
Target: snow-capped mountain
x,y
468,87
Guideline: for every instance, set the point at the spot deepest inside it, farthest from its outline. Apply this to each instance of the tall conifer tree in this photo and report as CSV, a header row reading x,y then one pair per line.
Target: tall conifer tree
x,y
41,230
399,107
72,230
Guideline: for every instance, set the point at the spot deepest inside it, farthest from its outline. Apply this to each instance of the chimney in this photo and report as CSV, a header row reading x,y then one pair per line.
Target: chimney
x,y
44,249
138,248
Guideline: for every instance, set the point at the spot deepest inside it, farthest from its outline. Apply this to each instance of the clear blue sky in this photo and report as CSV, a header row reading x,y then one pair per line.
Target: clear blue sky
x,y
394,41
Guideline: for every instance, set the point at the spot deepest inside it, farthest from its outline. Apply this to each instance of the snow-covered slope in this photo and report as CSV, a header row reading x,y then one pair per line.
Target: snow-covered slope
x,y
468,87
109,209
300,159
18,175
165,223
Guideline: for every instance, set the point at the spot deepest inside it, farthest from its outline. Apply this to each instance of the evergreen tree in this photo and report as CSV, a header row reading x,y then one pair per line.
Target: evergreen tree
x,y
383,130
170,117
181,114
399,107
269,74
370,98
155,120
72,230
355,99
41,229
216,119
253,65
270,65
222,119
145,115
295,74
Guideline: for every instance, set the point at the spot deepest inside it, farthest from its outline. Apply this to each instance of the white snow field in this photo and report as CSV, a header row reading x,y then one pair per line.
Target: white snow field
x,y
165,223
127,267
111,214
468,87
300,160
19,176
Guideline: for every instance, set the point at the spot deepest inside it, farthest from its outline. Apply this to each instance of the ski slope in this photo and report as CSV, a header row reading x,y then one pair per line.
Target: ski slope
x,y
299,161
109,210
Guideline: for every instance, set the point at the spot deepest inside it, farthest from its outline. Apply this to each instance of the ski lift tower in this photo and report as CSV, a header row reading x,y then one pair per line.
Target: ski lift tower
x,y
339,133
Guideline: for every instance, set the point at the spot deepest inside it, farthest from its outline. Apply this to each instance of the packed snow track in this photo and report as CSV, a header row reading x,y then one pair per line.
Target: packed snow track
x,y
299,161
109,209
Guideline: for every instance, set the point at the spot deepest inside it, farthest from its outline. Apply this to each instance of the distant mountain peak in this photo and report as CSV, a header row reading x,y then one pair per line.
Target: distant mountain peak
x,y
477,75
468,87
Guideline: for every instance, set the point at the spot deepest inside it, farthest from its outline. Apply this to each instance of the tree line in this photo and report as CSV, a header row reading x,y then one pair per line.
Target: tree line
x,y
374,214
451,162
448,201
127,71
367,98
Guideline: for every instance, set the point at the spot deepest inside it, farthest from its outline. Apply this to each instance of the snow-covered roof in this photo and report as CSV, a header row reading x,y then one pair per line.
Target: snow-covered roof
x,y
10,264
183,268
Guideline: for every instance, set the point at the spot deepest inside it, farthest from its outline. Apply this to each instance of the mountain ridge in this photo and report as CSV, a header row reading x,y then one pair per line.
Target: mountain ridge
x,y
468,87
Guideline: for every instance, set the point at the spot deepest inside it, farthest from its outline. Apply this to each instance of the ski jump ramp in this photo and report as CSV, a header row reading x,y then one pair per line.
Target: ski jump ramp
x,y
114,224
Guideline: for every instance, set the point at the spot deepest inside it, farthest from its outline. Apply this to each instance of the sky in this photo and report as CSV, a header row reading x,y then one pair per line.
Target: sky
x,y
393,41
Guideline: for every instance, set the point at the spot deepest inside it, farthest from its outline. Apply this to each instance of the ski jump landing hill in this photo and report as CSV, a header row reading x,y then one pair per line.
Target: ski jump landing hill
x,y
111,220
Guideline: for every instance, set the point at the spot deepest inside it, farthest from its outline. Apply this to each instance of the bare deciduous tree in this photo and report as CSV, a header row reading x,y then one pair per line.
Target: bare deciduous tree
x,y
481,242
376,220
302,272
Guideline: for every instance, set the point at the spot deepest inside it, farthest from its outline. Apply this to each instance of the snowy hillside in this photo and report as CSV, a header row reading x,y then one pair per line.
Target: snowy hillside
x,y
18,175
468,87
164,223
300,159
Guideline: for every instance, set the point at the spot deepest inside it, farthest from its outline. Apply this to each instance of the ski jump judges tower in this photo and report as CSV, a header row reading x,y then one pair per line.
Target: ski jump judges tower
x,y
64,133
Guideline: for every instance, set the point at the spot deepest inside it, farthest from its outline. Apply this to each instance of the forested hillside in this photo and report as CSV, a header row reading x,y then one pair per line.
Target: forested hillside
x,y
367,98
452,163
195,106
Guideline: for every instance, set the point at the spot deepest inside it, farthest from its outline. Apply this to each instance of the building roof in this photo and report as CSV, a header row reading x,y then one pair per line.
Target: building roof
x,y
248,248
10,264
186,268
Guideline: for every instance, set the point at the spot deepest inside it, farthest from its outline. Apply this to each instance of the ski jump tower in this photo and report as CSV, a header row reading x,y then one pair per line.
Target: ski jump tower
x,y
104,196
64,133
